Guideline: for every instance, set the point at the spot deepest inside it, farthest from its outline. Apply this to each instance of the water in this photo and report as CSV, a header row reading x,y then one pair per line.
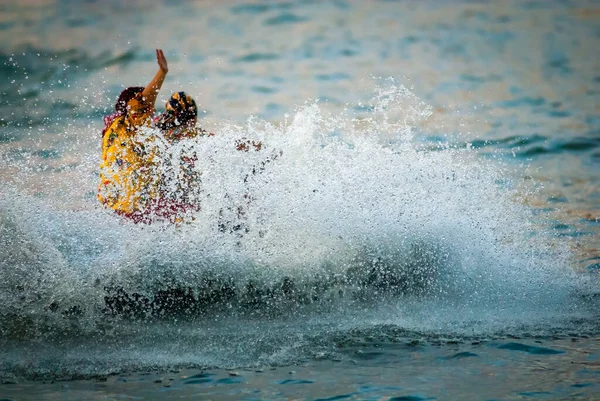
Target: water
x,y
429,181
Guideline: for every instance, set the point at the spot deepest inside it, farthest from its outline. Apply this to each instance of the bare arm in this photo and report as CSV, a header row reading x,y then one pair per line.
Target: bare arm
x,y
150,92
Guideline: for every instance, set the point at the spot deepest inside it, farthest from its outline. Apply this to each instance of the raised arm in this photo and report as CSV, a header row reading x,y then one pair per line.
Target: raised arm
x,y
150,92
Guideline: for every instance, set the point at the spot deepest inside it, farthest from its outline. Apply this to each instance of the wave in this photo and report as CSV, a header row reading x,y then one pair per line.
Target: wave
x,y
523,147
346,224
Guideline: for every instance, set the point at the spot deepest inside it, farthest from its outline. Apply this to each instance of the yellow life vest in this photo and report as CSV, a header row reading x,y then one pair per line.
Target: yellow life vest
x,y
126,176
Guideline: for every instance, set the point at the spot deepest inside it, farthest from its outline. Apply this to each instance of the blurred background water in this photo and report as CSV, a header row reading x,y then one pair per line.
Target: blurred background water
x,y
508,95
521,77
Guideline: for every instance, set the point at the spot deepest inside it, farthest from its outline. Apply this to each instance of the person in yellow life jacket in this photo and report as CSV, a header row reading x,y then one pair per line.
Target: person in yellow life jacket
x,y
127,184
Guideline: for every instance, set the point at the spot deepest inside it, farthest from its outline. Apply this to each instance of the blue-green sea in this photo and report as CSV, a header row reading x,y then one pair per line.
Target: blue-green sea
x,y
421,223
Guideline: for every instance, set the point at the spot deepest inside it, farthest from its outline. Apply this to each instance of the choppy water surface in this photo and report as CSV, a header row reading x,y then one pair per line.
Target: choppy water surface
x,y
427,200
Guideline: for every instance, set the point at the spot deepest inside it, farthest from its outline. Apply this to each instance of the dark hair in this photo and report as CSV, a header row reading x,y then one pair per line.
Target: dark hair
x,y
125,97
188,113
181,109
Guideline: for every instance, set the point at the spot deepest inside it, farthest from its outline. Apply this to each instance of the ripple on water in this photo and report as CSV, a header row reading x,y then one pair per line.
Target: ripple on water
x,y
200,378
263,89
479,79
229,380
559,113
558,199
367,356
520,102
283,19
535,393
198,381
595,267
581,385
530,349
461,355
575,144
258,8
559,63
336,76
335,397
295,381
6,25
510,141
254,57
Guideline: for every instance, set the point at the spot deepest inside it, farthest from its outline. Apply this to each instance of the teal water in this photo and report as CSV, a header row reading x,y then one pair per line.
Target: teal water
x,y
438,184
492,370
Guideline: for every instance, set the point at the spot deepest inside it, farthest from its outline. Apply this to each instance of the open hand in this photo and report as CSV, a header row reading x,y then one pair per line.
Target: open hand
x,y
162,61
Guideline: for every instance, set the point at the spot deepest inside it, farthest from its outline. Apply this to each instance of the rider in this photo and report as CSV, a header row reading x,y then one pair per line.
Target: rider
x,y
126,182
136,181
179,184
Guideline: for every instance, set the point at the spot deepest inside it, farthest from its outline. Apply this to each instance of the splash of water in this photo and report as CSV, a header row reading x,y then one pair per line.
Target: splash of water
x,y
338,210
